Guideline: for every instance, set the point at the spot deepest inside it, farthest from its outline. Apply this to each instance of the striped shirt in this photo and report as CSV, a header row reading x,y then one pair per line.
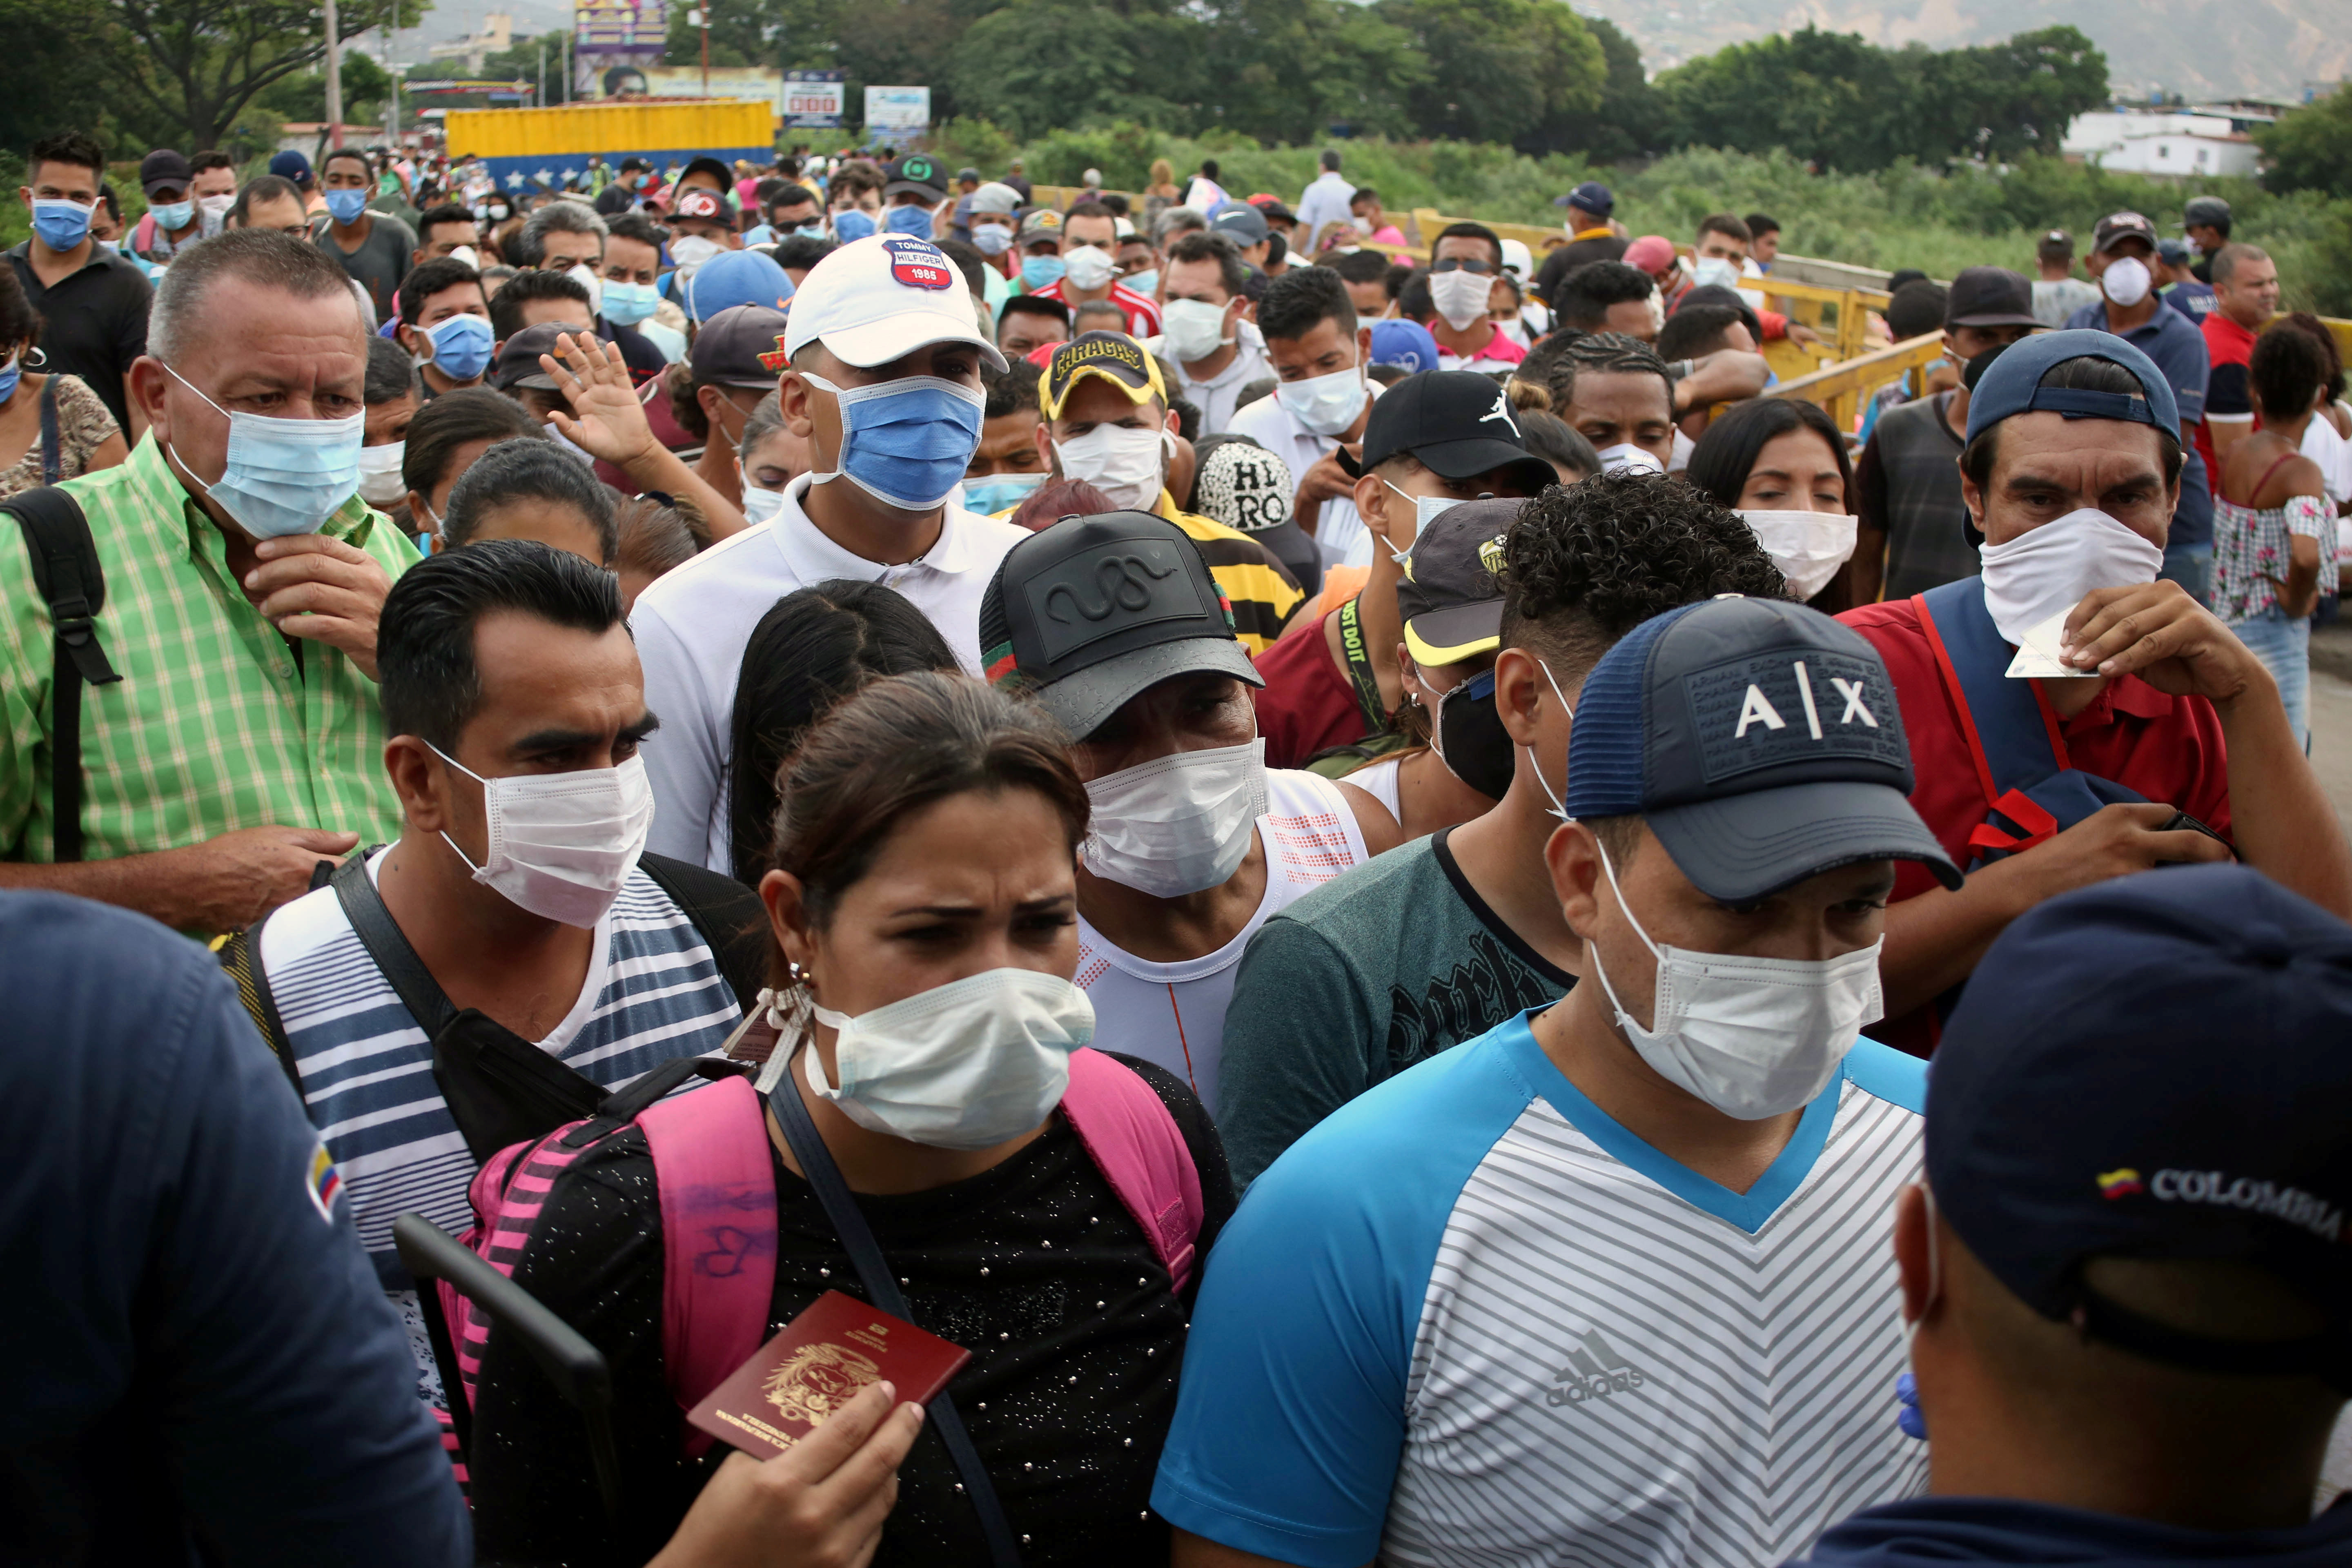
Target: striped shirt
x,y
217,723
1259,587
1471,1319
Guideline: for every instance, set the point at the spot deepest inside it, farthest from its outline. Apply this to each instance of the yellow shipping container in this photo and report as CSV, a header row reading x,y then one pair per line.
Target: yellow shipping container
x,y
719,126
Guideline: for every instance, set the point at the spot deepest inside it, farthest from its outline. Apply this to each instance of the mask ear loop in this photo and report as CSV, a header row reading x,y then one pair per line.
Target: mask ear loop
x,y
1559,809
1624,1019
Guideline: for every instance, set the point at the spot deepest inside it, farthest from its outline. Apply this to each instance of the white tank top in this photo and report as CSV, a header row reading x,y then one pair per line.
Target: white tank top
x,y
1173,1014
1378,780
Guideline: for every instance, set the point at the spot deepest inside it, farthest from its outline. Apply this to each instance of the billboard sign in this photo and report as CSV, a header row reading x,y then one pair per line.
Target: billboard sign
x,y
897,115
632,27
814,101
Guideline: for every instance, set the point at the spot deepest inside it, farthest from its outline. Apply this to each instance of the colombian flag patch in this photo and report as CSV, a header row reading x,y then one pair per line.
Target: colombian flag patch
x,y
324,1183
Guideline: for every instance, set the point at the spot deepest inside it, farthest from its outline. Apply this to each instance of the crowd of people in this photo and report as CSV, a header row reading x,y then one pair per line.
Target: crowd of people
x,y
1343,856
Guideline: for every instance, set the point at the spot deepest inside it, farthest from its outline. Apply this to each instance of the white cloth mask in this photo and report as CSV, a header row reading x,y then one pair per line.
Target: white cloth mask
x,y
1178,824
966,1065
1713,272
1460,295
380,481
761,506
1088,266
1625,456
1124,464
691,251
586,276
1752,1037
1324,404
2126,281
1196,330
2046,570
1425,510
1807,546
560,844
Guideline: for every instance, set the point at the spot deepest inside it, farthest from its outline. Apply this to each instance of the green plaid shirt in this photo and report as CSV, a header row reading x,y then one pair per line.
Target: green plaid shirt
x,y
215,726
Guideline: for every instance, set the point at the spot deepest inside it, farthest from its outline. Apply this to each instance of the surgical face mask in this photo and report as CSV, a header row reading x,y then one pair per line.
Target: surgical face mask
x,y
1628,456
1178,824
852,223
282,476
2045,571
580,272
345,207
62,224
1468,737
1425,510
991,238
461,346
10,375
1041,272
1714,271
692,250
626,304
216,205
2126,281
1325,404
906,442
468,254
1460,295
759,505
1807,546
560,844
1196,330
1088,266
966,1065
380,481
911,220
997,492
1124,464
1146,282
496,213
1752,1037
172,216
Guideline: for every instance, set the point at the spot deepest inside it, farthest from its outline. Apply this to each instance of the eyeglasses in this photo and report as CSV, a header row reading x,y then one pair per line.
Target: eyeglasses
x,y
1463,264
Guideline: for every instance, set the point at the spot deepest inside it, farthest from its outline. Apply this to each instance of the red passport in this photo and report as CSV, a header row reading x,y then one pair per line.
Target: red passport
x,y
818,1363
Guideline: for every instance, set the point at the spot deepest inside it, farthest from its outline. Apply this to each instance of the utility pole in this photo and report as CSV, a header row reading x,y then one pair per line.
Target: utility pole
x,y
543,71
334,78
391,103
704,16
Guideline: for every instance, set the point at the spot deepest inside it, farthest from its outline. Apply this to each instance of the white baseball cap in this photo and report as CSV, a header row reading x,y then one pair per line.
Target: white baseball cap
x,y
880,299
1517,259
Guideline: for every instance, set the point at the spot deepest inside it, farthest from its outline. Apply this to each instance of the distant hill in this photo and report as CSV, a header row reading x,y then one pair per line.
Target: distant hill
x,y
2205,48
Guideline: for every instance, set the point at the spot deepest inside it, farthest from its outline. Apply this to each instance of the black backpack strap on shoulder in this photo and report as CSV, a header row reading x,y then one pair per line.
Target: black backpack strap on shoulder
x,y
882,1289
53,452
729,915
72,583
240,954
382,936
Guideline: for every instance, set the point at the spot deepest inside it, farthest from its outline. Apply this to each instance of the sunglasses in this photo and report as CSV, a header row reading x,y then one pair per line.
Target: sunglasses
x,y
1463,264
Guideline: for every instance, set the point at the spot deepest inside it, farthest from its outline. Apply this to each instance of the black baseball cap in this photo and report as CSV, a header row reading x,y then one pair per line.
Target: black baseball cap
x,y
1989,297
517,361
2123,225
1089,612
728,348
2205,212
916,172
1240,222
2012,384
1451,593
164,169
2154,1067
707,164
1457,422
1760,739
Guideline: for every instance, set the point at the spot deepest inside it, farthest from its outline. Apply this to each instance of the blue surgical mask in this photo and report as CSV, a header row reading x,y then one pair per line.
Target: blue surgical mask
x,y
905,442
62,224
913,220
1041,272
283,475
998,491
346,206
461,346
851,223
1146,282
629,303
991,238
172,216
10,375
813,228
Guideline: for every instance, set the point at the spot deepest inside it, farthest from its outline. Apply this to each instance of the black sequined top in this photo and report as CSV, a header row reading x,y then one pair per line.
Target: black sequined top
x,y
1036,1267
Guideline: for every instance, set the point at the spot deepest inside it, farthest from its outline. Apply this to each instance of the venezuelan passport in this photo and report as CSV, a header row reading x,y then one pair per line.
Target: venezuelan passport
x,y
818,1363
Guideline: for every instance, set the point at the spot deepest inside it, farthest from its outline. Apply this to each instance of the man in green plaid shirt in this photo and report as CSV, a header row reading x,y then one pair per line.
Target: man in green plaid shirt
x,y
243,742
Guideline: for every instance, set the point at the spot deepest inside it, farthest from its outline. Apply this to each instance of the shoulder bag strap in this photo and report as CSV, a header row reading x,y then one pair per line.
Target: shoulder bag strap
x,y
52,467
882,1289
67,572
729,916
381,935
1360,667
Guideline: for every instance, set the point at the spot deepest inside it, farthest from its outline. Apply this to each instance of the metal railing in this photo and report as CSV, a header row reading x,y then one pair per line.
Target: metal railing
x,y
1840,388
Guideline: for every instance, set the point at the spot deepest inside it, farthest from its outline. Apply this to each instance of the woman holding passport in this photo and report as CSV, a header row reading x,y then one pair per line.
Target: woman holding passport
x,y
925,915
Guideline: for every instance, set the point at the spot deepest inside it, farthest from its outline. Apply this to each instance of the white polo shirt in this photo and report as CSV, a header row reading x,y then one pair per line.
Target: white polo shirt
x,y
692,624
1268,423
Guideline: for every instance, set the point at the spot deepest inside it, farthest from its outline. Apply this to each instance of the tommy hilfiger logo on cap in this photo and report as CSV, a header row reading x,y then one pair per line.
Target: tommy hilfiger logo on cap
x,y
919,264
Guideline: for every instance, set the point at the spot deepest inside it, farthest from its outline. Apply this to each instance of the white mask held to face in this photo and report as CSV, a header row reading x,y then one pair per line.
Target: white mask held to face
x,y
1460,295
2046,570
966,1065
1124,464
1752,1037
2126,281
560,844
1178,824
1807,546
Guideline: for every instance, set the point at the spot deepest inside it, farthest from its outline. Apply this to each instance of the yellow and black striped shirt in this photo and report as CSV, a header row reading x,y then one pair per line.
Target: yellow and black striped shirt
x,y
1259,587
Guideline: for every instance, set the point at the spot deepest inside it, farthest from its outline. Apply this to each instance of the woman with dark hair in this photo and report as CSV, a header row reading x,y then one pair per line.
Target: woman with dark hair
x,y
2273,530
813,648
1781,465
930,1060
533,490
447,437
78,436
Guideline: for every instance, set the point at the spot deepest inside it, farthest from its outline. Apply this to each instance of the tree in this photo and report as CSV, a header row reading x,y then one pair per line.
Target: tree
x,y
1629,119
2310,149
206,59
62,59
1289,71
1831,99
304,98
1497,69
1041,64
2003,101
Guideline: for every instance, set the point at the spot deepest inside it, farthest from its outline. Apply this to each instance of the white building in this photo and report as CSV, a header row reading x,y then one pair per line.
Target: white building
x,y
2186,143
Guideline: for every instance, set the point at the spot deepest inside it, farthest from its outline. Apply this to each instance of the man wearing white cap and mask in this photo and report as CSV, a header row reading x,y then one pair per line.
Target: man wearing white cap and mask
x,y
879,373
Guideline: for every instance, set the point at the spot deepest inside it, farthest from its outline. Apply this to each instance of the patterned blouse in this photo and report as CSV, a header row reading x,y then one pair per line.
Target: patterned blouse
x,y
83,425
2251,551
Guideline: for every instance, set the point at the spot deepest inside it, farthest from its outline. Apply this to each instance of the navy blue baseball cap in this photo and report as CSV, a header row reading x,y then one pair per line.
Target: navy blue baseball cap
x,y
1592,196
2013,384
2155,1068
1760,740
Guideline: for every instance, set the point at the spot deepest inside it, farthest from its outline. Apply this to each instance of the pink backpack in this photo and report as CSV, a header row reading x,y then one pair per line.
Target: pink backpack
x,y
712,1166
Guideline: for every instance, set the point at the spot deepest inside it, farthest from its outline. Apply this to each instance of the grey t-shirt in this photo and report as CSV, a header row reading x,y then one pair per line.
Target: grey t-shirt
x,y
1378,969
2054,300
379,264
1909,480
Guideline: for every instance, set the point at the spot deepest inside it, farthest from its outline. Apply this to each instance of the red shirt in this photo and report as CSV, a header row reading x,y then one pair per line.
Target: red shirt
x,y
1308,704
2166,748
1143,314
2226,343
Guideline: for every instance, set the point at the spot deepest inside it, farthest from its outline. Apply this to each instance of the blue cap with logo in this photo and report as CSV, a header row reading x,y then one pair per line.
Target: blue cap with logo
x,y
1760,740
2012,385
1408,345
2155,1068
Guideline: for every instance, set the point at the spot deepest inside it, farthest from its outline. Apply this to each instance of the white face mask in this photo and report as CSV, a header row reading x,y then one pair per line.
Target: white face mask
x,y
1088,266
962,1066
586,276
1713,272
761,506
1425,510
2126,281
1460,295
1325,404
1807,546
560,844
692,250
216,205
1196,330
1178,824
380,481
1124,464
991,238
2046,570
1752,1037
1625,456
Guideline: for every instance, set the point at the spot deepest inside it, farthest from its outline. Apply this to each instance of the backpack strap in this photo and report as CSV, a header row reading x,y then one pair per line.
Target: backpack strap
x,y
53,458
67,573
240,954
729,916
364,906
1139,1148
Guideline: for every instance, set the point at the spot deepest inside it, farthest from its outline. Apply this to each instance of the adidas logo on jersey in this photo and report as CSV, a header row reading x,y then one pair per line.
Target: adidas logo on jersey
x,y
1596,1372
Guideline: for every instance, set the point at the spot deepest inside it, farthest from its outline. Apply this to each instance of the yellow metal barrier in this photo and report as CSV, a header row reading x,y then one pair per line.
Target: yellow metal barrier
x,y
1840,388
1537,238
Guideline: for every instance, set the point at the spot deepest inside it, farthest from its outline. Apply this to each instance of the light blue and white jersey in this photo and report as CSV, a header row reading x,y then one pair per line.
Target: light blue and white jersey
x,y
1471,1319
